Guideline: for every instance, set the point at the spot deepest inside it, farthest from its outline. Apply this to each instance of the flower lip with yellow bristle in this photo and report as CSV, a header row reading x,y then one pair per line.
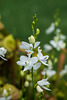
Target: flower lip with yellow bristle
x,y
29,52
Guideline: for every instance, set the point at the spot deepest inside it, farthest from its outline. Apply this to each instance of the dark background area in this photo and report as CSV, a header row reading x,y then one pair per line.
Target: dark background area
x,y
17,16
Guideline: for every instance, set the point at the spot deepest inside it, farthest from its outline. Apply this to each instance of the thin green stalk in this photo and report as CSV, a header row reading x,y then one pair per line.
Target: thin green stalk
x,y
33,85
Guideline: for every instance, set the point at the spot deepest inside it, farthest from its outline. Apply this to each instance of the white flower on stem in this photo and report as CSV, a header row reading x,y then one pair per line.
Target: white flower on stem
x,y
50,29
27,62
2,53
49,72
58,45
47,47
42,58
42,83
28,46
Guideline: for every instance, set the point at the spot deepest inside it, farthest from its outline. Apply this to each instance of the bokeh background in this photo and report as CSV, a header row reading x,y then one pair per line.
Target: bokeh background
x,y
17,16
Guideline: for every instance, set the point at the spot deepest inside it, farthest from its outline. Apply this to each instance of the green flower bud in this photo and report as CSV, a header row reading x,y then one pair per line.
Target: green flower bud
x,y
21,73
56,23
26,84
39,89
28,77
55,60
37,31
33,23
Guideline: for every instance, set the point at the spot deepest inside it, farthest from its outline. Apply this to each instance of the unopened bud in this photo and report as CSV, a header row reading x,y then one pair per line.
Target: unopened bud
x,y
21,73
56,23
37,31
39,88
26,84
31,39
55,60
33,23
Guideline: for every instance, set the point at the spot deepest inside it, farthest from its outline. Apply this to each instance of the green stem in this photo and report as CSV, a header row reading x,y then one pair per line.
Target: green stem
x,y
33,33
33,85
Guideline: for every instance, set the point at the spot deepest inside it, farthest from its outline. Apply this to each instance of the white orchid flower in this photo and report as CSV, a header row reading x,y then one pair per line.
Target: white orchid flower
x,y
58,45
50,29
2,53
42,58
27,62
49,72
42,83
28,46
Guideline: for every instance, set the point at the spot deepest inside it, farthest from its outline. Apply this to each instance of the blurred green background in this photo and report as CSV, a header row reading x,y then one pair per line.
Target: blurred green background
x,y
17,16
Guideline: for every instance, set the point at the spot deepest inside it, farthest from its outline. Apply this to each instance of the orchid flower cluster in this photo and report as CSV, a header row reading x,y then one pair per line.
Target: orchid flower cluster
x,y
31,62
58,41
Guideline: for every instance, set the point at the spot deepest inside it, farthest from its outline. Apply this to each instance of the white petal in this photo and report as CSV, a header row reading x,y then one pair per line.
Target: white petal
x,y
34,60
36,44
28,67
25,45
46,57
3,58
43,82
39,55
53,43
20,63
29,51
50,73
36,66
23,58
44,62
45,88
50,29
47,47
